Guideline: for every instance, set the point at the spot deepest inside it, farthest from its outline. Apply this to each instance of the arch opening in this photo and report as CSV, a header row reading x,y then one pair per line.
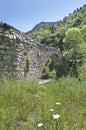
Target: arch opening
x,y
50,68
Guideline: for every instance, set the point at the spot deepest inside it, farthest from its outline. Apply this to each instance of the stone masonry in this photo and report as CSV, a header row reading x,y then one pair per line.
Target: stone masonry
x,y
21,56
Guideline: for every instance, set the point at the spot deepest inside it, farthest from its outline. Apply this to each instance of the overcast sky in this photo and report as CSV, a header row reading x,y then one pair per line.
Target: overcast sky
x,y
25,14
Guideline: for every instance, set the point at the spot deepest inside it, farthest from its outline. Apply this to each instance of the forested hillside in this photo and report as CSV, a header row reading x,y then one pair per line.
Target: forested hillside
x,y
52,33
68,36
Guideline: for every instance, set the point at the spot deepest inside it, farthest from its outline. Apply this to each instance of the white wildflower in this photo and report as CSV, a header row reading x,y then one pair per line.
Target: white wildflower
x,y
58,103
51,109
40,124
55,116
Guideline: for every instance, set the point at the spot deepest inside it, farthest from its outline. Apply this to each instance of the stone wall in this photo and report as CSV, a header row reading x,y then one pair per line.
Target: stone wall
x,y
8,55
21,56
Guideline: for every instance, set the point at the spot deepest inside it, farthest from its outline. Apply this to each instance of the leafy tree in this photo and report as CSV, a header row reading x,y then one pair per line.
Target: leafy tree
x,y
72,39
83,30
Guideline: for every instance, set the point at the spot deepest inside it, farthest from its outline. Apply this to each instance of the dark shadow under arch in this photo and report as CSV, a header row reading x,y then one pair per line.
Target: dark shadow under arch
x,y
50,68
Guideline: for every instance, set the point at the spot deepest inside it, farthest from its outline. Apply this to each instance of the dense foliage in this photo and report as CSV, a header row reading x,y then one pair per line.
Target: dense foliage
x,y
53,33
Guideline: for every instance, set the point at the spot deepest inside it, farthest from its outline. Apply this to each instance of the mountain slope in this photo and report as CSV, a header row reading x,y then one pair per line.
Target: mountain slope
x,y
41,30
52,33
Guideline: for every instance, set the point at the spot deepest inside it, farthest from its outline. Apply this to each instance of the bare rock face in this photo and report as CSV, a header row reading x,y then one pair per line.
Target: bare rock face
x,y
20,56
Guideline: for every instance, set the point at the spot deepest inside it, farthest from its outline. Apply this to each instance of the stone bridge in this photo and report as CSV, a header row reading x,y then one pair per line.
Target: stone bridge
x,y
21,56
39,55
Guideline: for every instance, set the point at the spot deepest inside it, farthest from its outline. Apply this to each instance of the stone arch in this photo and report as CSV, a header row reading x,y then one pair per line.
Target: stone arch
x,y
56,59
16,48
39,61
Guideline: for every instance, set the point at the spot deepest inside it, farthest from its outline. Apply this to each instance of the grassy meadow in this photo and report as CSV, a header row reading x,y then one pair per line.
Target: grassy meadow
x,y
57,105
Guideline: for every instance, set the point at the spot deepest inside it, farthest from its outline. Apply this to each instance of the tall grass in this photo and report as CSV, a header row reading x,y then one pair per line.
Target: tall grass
x,y
24,104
